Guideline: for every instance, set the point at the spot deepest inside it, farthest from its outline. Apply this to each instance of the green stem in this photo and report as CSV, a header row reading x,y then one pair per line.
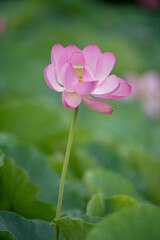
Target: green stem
x,y
64,171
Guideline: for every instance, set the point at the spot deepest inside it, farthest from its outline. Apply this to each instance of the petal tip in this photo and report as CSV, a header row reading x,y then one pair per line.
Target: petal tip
x,y
111,111
113,56
97,105
128,89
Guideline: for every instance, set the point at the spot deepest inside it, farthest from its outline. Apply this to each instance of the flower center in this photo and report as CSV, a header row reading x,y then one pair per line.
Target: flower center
x,y
79,71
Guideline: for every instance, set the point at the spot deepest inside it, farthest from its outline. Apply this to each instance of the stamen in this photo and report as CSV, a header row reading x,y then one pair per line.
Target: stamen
x,y
79,71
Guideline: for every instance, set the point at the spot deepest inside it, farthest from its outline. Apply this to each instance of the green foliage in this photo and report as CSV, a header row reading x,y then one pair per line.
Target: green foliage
x,y
109,183
130,223
20,194
116,203
45,178
114,166
4,235
101,206
1,158
23,229
96,205
148,168
34,122
76,228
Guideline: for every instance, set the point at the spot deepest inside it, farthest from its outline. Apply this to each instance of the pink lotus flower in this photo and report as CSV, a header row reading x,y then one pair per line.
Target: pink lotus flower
x,y
146,89
150,3
3,23
79,74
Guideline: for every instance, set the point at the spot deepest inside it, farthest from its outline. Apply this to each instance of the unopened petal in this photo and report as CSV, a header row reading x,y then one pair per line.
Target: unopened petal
x,y
77,58
71,99
91,54
70,49
68,76
104,66
51,78
85,88
97,105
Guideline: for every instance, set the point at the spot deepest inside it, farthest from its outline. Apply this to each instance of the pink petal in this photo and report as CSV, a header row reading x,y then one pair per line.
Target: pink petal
x,y
70,49
51,78
109,85
104,66
97,105
84,88
91,54
56,52
69,76
77,58
59,58
87,75
65,104
70,99
123,90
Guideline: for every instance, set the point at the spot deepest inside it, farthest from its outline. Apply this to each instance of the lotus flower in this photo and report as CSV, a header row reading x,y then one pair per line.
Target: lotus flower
x,y
150,3
82,74
3,23
146,89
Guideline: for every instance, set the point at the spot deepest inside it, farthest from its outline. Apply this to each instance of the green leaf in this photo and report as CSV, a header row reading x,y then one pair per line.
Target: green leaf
x,y
6,138
101,206
131,223
21,195
116,203
1,158
76,228
96,205
24,229
80,161
109,183
4,235
148,168
41,174
34,121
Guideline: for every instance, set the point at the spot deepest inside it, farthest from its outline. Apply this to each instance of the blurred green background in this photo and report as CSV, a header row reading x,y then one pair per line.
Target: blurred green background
x,y
127,142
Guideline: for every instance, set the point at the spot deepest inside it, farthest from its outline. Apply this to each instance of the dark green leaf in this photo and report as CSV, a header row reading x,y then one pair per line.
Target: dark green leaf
x,y
21,195
1,158
24,229
4,235
40,174
76,228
